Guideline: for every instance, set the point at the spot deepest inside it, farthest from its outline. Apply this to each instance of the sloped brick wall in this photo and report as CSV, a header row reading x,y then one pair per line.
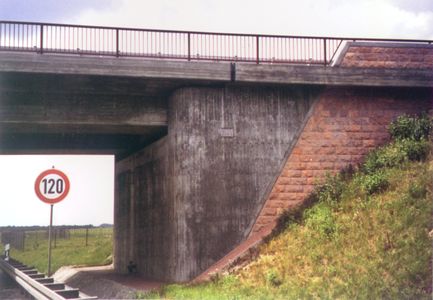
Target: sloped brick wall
x,y
388,56
344,126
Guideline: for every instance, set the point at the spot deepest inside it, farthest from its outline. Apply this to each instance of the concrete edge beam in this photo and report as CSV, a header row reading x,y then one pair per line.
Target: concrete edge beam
x,y
340,76
106,66
214,71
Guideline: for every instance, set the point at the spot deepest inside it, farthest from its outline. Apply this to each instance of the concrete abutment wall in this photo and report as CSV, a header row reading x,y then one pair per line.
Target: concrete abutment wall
x,y
186,200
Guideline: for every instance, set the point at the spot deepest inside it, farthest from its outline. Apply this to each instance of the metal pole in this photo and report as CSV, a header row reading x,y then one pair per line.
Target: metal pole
x,y
117,43
324,53
189,46
42,39
49,240
257,50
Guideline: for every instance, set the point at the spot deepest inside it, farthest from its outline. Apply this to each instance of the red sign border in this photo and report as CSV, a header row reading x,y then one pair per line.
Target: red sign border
x,y
38,183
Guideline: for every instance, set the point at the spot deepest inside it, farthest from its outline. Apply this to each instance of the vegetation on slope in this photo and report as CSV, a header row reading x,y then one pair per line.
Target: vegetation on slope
x,y
364,234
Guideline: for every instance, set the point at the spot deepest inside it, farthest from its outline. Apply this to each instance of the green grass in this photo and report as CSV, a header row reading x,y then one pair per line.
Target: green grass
x,y
367,237
71,251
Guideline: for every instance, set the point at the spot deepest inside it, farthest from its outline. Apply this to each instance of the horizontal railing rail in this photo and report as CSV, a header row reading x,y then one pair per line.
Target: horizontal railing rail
x,y
38,285
174,44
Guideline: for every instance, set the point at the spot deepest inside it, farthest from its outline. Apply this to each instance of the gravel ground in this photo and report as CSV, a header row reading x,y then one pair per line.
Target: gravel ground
x,y
103,282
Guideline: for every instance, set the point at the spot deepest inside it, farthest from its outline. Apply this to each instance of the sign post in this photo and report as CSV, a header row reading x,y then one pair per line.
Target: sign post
x,y
51,187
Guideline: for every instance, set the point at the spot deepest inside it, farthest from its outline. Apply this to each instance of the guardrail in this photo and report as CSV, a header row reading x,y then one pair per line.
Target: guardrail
x,y
167,44
37,284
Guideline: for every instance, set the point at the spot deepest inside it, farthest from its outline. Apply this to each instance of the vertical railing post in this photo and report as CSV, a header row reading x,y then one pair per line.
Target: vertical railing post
x,y
42,39
117,43
189,46
257,50
324,53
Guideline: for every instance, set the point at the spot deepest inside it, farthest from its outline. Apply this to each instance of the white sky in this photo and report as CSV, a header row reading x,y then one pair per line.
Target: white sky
x,y
90,199
352,18
91,196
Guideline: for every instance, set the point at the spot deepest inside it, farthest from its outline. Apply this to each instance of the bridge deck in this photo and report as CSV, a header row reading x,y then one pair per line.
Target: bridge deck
x,y
181,72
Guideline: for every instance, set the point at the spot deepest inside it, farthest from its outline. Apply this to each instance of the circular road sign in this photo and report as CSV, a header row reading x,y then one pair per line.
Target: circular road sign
x,y
52,186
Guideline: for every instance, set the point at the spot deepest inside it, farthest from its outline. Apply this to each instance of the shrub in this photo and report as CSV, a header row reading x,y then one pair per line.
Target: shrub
x,y
389,156
417,190
395,154
374,183
413,128
320,219
273,277
415,150
330,191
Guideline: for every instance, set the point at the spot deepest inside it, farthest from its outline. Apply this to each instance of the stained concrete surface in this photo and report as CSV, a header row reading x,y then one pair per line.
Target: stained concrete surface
x,y
185,201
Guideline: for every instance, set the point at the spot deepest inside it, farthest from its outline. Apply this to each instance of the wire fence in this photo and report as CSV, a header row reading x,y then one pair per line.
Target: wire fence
x,y
32,239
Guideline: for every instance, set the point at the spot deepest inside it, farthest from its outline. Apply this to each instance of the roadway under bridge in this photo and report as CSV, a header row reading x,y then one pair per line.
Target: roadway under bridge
x,y
201,145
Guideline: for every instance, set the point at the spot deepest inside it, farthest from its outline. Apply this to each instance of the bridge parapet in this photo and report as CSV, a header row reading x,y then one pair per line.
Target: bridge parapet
x,y
174,44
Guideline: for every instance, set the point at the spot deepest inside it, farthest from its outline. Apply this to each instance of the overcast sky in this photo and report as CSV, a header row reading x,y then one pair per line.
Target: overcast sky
x,y
352,18
90,199
91,196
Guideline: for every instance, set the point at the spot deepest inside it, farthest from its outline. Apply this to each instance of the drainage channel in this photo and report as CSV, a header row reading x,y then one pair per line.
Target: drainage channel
x,y
37,284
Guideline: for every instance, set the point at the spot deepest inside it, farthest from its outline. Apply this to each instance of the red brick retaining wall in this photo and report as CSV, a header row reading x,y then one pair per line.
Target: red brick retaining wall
x,y
389,56
344,126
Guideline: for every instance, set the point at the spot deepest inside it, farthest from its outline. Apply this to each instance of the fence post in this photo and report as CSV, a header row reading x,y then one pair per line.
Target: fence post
x,y
42,39
87,236
189,46
257,50
117,43
324,52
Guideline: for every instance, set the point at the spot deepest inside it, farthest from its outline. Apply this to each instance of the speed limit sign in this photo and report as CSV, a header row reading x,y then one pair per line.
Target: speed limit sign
x,y
52,186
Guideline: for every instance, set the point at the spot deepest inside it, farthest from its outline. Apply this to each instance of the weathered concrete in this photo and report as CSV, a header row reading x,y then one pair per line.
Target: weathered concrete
x,y
122,102
185,201
44,113
145,213
191,73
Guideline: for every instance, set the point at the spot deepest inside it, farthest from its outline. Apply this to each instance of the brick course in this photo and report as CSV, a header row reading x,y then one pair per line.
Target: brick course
x,y
344,126
389,57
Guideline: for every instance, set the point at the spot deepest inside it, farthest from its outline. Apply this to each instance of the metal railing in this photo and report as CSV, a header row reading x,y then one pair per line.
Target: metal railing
x,y
165,44
37,284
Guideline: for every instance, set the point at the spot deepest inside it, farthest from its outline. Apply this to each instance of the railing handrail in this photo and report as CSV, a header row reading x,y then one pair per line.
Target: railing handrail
x,y
222,33
175,44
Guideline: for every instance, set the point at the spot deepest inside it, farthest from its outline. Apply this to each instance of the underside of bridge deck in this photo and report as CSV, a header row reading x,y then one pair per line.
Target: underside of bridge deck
x,y
48,113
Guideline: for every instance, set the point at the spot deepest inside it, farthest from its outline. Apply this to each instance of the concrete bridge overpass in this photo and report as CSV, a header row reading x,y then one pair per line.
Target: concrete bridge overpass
x,y
209,149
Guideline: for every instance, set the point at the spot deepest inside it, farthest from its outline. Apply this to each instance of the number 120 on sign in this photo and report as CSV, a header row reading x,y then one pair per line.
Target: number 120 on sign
x,y
52,186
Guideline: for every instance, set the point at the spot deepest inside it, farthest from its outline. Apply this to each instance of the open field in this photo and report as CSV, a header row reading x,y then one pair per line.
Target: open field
x,y
69,250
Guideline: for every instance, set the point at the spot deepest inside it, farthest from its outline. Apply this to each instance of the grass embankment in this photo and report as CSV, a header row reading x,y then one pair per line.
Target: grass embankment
x,y
70,251
365,237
